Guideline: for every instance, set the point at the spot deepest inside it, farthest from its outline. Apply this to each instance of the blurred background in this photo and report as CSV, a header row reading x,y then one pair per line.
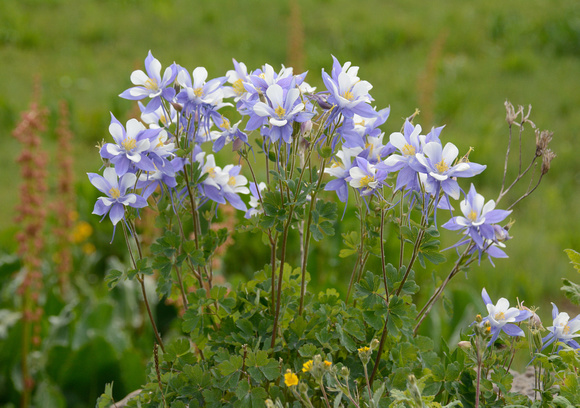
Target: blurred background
x,y
458,62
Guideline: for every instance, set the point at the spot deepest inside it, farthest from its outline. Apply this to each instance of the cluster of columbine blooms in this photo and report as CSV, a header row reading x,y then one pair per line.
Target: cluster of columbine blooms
x,y
181,111
502,318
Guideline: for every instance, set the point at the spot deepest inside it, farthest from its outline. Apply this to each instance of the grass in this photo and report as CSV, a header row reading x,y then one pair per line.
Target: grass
x,y
457,62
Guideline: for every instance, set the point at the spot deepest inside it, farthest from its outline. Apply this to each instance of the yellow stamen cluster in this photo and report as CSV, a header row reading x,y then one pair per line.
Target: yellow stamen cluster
x,y
129,143
366,180
280,111
114,193
442,167
211,172
226,123
152,84
198,92
408,150
499,316
238,86
472,216
232,181
348,95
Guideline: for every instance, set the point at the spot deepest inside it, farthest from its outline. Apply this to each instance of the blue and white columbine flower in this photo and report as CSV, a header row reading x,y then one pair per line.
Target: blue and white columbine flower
x,y
151,84
366,177
131,146
348,92
117,197
563,330
501,317
477,223
437,162
284,109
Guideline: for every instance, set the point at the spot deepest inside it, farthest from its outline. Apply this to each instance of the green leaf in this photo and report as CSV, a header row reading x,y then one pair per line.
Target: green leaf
x,y
308,350
574,258
113,277
230,366
571,290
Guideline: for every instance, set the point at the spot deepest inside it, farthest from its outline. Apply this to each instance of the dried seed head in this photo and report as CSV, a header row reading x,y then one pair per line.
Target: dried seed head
x,y
511,114
543,138
526,117
547,158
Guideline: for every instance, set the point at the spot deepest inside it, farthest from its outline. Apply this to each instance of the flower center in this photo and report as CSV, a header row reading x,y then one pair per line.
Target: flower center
x,y
472,216
280,111
226,124
335,163
348,95
198,92
238,86
566,329
499,316
232,181
114,193
211,172
366,180
151,84
442,167
408,150
129,143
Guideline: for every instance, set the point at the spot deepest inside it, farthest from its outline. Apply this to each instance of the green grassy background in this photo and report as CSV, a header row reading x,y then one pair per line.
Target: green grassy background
x,y
457,61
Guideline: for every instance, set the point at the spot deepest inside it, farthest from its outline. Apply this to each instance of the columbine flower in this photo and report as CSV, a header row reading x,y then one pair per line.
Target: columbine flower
x,y
341,171
290,379
477,221
563,329
255,207
130,147
237,77
366,177
200,98
236,184
116,191
226,134
408,144
501,316
437,162
347,91
284,109
151,84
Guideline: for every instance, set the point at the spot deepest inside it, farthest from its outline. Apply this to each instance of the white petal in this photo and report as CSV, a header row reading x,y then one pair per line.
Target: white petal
x,y
139,77
449,153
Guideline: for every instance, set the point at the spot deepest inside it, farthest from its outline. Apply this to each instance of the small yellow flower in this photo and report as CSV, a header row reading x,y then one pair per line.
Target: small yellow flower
x,y
327,364
307,366
290,379
363,349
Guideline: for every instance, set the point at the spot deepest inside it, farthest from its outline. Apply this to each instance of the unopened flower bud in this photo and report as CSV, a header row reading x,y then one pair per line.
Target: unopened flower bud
x,y
478,318
344,372
414,391
464,345
303,388
306,128
374,344
537,339
177,106
269,403
501,233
